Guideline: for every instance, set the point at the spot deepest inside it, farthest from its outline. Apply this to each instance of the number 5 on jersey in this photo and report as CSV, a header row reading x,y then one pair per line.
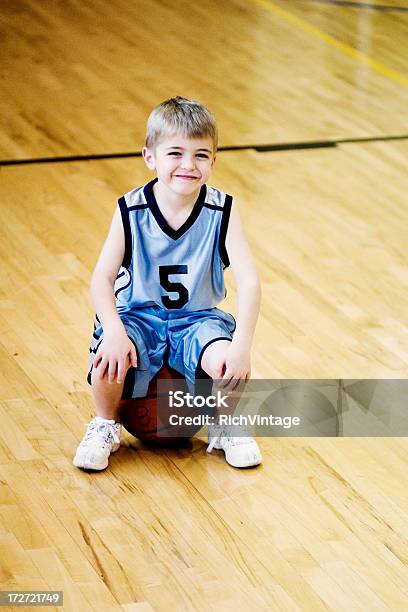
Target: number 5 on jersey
x,y
173,287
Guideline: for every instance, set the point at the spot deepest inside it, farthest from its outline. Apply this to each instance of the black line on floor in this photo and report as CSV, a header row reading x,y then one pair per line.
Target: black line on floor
x,y
362,5
290,146
372,139
68,158
286,146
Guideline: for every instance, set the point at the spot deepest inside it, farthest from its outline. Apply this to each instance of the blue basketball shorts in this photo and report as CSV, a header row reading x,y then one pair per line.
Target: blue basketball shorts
x,y
160,336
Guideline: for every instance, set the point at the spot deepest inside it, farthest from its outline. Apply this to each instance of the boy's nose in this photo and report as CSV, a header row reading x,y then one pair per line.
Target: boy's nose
x,y
188,163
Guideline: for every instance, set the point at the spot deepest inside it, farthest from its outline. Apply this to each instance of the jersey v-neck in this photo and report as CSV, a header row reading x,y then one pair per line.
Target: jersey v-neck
x,y
158,215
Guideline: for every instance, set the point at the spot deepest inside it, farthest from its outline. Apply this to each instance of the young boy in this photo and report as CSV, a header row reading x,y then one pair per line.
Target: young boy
x,y
159,278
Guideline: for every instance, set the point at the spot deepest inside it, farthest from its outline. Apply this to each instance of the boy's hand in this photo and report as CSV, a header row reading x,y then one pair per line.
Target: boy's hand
x,y
114,354
237,368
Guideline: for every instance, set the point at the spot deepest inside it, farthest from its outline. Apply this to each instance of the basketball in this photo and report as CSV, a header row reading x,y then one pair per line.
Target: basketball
x,y
148,418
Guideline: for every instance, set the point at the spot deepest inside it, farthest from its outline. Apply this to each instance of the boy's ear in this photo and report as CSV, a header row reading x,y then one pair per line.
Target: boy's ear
x,y
213,159
148,157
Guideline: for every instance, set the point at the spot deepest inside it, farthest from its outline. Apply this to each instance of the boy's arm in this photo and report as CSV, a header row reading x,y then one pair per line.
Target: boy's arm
x,y
249,297
115,346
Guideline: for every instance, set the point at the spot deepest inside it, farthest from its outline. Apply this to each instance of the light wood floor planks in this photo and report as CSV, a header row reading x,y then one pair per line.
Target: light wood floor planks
x,y
323,523
80,77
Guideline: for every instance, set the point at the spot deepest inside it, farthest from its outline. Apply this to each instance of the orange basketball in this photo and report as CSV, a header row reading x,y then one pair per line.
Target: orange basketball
x,y
143,420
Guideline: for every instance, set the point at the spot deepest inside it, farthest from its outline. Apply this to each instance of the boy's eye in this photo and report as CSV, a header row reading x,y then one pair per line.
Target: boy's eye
x,y
198,155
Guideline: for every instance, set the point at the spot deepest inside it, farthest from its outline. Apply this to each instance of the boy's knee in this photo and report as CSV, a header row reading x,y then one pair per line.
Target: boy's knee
x,y
96,376
215,372
213,359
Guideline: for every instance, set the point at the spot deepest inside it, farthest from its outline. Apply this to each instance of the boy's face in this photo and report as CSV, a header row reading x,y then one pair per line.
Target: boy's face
x,y
182,164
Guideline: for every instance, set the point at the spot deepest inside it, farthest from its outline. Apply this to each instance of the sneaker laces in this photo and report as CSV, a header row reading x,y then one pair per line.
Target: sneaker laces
x,y
103,429
213,441
232,436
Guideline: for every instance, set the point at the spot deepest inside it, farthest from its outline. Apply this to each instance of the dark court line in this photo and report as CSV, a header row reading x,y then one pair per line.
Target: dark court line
x,y
67,158
287,146
362,5
372,139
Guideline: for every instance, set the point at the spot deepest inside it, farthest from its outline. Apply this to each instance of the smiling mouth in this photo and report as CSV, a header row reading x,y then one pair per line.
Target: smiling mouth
x,y
186,177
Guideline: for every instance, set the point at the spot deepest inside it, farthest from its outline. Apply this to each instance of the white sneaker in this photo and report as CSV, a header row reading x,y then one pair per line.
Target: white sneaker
x,y
101,439
240,451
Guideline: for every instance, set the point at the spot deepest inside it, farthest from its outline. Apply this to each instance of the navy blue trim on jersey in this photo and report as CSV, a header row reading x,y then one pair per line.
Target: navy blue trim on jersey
x,y
125,286
127,257
138,207
213,207
130,377
95,348
223,230
164,226
200,373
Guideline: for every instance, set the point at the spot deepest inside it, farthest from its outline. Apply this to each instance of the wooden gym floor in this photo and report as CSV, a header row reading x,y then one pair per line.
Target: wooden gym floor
x,y
323,523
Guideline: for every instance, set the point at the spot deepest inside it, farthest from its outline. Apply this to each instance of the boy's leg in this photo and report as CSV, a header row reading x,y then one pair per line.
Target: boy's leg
x,y
198,346
103,432
212,362
107,395
213,358
241,450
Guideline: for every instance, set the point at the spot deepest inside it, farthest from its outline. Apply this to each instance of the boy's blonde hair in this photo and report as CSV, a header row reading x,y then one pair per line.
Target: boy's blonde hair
x,y
180,116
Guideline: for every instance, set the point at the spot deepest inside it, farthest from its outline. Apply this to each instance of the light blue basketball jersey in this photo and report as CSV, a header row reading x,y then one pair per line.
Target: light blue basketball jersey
x,y
175,269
